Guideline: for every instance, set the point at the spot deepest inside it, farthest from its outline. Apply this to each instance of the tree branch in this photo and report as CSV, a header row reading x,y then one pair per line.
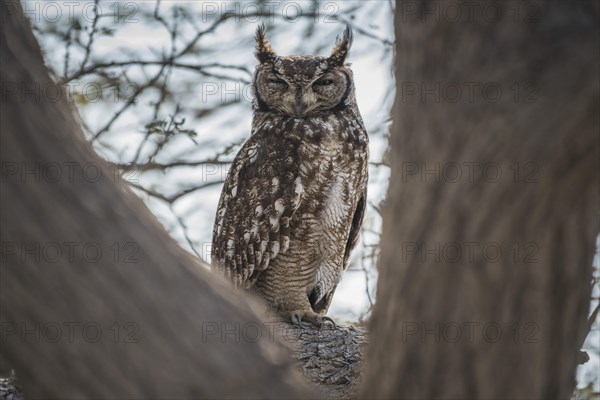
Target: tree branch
x,y
330,357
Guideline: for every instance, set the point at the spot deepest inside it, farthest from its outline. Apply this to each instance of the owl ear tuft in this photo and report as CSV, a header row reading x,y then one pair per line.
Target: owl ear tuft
x,y
341,49
264,51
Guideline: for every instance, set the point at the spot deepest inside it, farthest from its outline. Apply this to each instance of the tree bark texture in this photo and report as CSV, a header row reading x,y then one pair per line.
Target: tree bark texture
x,y
455,323
330,357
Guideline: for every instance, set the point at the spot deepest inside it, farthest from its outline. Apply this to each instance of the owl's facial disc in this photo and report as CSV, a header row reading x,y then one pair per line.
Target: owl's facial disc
x,y
301,98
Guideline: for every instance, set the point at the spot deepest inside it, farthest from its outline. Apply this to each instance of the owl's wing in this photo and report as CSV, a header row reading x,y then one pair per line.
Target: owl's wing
x,y
261,194
355,227
322,303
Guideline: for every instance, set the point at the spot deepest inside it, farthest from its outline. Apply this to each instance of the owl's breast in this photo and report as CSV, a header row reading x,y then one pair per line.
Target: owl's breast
x,y
333,170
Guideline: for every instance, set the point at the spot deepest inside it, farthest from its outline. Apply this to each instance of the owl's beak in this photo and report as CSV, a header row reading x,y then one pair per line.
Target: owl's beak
x,y
300,107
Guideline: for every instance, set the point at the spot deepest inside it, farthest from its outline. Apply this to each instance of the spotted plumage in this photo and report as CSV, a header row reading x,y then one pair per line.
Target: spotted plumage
x,y
294,199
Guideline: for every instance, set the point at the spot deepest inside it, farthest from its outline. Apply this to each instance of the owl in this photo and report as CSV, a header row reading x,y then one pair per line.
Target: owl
x,y
294,198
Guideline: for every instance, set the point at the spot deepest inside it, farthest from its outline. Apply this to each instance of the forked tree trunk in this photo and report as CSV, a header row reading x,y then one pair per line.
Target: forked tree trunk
x,y
444,293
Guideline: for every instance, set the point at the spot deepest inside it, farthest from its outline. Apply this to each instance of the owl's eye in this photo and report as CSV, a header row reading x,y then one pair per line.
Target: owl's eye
x,y
276,81
323,82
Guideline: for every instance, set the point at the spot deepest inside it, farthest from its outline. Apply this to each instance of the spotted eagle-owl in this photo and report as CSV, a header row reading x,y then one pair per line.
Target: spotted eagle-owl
x,y
294,198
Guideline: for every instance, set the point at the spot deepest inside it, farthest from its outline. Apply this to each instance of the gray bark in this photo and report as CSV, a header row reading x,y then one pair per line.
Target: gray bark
x,y
329,357
431,338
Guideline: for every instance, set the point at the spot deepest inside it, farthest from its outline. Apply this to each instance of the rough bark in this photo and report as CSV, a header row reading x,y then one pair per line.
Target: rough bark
x,y
167,298
329,357
430,329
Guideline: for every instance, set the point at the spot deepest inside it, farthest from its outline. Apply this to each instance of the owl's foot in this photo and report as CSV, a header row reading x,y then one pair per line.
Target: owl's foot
x,y
313,318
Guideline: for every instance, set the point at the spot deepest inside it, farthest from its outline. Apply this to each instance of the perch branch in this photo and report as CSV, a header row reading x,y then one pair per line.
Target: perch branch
x,y
330,357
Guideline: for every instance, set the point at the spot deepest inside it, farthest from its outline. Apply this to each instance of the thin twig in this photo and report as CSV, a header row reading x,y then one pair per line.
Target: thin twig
x,y
165,62
173,198
128,104
185,233
88,46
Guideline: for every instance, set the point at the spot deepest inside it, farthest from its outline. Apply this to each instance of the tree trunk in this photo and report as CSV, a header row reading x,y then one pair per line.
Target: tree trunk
x,y
476,175
96,299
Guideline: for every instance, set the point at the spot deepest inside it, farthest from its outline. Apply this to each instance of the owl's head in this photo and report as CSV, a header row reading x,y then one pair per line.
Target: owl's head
x,y
302,86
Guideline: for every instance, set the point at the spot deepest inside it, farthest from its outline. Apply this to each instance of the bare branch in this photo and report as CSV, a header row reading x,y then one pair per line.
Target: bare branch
x,y
88,46
166,62
128,104
173,198
150,166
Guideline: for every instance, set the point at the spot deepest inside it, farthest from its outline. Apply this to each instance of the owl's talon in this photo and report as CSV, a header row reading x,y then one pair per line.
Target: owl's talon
x,y
328,319
317,320
296,319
